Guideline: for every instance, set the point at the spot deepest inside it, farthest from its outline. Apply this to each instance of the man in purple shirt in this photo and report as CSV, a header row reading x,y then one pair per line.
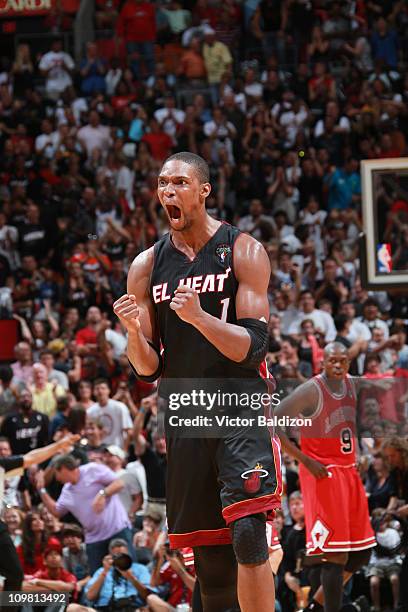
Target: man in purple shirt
x,y
89,493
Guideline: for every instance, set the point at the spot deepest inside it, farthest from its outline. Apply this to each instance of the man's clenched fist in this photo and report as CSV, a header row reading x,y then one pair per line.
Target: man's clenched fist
x,y
186,304
126,309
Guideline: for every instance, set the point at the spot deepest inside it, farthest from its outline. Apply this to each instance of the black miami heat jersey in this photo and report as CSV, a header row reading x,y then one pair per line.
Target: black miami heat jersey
x,y
186,352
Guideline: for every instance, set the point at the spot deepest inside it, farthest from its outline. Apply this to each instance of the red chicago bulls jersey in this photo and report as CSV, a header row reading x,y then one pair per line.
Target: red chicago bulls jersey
x,y
331,438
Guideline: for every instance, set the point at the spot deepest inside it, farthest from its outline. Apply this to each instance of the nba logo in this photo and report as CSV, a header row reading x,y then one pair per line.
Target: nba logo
x,y
384,259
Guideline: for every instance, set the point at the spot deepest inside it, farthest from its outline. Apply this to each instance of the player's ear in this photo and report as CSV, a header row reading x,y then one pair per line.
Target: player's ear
x,y
205,190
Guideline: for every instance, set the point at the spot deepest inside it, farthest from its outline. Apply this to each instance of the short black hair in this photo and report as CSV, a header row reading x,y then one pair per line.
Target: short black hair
x,y
6,373
199,164
101,381
340,321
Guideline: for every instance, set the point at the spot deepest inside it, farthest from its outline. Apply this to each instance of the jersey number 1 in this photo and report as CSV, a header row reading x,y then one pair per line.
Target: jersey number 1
x,y
225,303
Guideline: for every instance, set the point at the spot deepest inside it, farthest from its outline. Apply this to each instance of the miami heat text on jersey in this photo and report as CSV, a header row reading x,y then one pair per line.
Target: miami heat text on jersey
x,y
187,354
331,439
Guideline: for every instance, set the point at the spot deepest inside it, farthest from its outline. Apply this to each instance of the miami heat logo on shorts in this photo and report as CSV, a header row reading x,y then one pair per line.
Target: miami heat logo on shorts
x,y
222,250
252,478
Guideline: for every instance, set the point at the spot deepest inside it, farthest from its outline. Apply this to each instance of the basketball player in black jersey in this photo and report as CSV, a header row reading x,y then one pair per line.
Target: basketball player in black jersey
x,y
201,293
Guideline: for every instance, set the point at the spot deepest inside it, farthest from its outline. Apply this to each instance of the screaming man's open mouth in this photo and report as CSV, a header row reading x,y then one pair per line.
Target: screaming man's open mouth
x,y
173,211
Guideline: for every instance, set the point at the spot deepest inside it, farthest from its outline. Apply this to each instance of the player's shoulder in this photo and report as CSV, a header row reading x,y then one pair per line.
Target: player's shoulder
x,y
249,252
143,261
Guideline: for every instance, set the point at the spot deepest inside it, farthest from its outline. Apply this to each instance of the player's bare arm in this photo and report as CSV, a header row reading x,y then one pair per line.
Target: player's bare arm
x,y
135,311
233,341
303,400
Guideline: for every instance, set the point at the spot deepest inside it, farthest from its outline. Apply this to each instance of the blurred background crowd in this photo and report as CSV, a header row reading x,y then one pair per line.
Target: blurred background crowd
x,y
283,98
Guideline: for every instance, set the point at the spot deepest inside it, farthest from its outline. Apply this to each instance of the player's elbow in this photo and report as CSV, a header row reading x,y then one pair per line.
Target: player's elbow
x,y
258,347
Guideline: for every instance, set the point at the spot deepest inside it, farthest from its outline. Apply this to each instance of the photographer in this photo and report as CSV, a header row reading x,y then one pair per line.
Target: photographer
x,y
119,584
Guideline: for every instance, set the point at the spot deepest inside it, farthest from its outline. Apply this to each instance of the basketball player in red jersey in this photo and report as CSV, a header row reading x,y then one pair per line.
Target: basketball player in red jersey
x,y
336,512
196,296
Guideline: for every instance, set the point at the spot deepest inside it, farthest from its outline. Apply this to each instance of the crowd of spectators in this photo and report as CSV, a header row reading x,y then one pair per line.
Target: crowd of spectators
x,y
283,98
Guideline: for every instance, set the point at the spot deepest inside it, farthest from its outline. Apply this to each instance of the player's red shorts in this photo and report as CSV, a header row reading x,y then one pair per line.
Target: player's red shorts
x,y
336,511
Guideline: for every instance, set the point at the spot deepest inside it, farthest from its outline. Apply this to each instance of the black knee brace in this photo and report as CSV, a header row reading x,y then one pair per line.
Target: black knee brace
x,y
357,559
249,539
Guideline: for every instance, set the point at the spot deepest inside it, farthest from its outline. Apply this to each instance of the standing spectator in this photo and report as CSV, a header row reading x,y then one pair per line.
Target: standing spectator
x,y
22,70
86,338
90,494
44,393
131,494
94,434
26,429
153,459
22,368
113,415
47,142
48,361
94,135
92,71
384,43
56,66
32,235
192,65
8,391
269,25
11,497
159,142
218,60
136,25
371,317
170,118
85,394
323,321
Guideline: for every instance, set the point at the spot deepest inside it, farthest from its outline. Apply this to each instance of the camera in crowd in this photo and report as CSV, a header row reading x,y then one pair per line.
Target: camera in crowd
x,y
122,561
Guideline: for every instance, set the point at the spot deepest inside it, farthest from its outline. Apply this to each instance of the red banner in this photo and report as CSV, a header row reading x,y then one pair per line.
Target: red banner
x,y
25,8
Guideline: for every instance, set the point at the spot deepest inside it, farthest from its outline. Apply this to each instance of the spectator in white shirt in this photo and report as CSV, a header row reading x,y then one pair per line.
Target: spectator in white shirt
x,y
113,415
258,225
358,330
94,135
46,143
322,320
124,180
371,317
341,122
131,495
221,132
9,242
170,118
56,66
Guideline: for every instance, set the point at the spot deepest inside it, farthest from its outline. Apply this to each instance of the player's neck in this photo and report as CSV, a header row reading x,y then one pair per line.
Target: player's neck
x,y
335,385
190,241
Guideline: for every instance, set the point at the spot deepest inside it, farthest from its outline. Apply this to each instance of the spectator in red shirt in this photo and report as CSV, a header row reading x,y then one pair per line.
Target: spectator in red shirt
x,y
53,577
159,142
34,543
86,338
137,27
177,573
